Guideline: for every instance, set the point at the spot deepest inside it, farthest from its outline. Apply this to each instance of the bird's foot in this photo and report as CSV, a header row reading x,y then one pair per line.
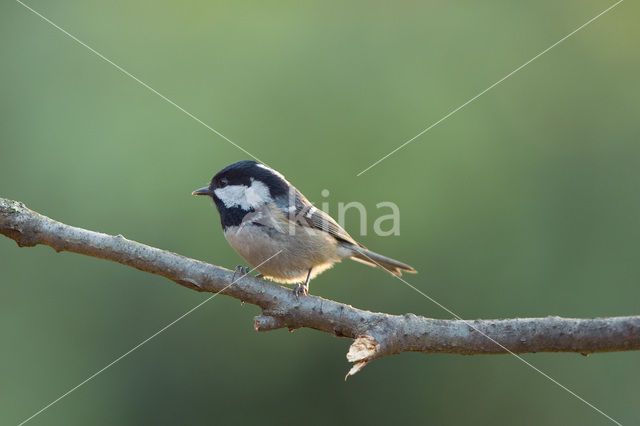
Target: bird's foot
x,y
301,288
242,270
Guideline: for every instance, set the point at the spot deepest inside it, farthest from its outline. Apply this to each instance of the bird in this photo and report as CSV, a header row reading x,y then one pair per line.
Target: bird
x,y
276,230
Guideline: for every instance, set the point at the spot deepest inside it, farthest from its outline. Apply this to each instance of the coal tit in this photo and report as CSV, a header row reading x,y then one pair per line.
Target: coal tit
x,y
263,214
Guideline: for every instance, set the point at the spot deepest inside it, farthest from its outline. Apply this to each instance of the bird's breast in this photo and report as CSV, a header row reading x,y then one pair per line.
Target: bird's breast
x,y
287,253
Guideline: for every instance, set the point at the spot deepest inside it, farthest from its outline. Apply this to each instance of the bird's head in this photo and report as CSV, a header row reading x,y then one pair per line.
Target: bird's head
x,y
244,187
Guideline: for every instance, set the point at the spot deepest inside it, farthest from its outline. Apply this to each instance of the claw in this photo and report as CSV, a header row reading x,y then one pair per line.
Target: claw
x,y
243,270
304,289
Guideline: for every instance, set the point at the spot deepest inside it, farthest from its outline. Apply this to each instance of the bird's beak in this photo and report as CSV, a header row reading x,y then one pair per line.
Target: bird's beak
x,y
202,191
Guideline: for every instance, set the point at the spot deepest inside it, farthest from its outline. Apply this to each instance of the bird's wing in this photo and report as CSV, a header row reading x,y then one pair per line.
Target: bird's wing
x,y
303,213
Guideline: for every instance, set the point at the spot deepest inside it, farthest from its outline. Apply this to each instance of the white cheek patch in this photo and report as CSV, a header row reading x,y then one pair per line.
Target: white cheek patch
x,y
245,197
232,195
257,194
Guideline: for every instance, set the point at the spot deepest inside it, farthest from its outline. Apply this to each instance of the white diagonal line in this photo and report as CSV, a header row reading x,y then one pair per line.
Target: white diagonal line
x,y
127,73
499,344
141,343
491,87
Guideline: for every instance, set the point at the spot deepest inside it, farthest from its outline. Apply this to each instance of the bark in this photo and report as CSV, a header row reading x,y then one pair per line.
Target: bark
x,y
375,334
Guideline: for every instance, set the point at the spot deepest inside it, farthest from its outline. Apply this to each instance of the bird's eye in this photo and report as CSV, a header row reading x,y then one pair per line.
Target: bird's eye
x,y
224,182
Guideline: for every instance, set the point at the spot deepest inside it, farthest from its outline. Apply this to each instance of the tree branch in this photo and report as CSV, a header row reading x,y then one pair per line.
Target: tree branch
x,y
375,334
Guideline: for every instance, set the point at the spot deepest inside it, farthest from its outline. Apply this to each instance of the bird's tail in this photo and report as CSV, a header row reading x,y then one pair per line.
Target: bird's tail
x,y
370,258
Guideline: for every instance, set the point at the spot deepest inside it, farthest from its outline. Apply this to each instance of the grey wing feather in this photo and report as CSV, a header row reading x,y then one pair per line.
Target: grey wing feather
x,y
306,214
303,213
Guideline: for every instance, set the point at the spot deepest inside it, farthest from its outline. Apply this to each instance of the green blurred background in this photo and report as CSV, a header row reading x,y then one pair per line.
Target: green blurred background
x,y
525,203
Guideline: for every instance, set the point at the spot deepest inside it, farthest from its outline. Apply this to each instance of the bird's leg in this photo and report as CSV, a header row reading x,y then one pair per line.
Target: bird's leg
x,y
243,270
304,288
